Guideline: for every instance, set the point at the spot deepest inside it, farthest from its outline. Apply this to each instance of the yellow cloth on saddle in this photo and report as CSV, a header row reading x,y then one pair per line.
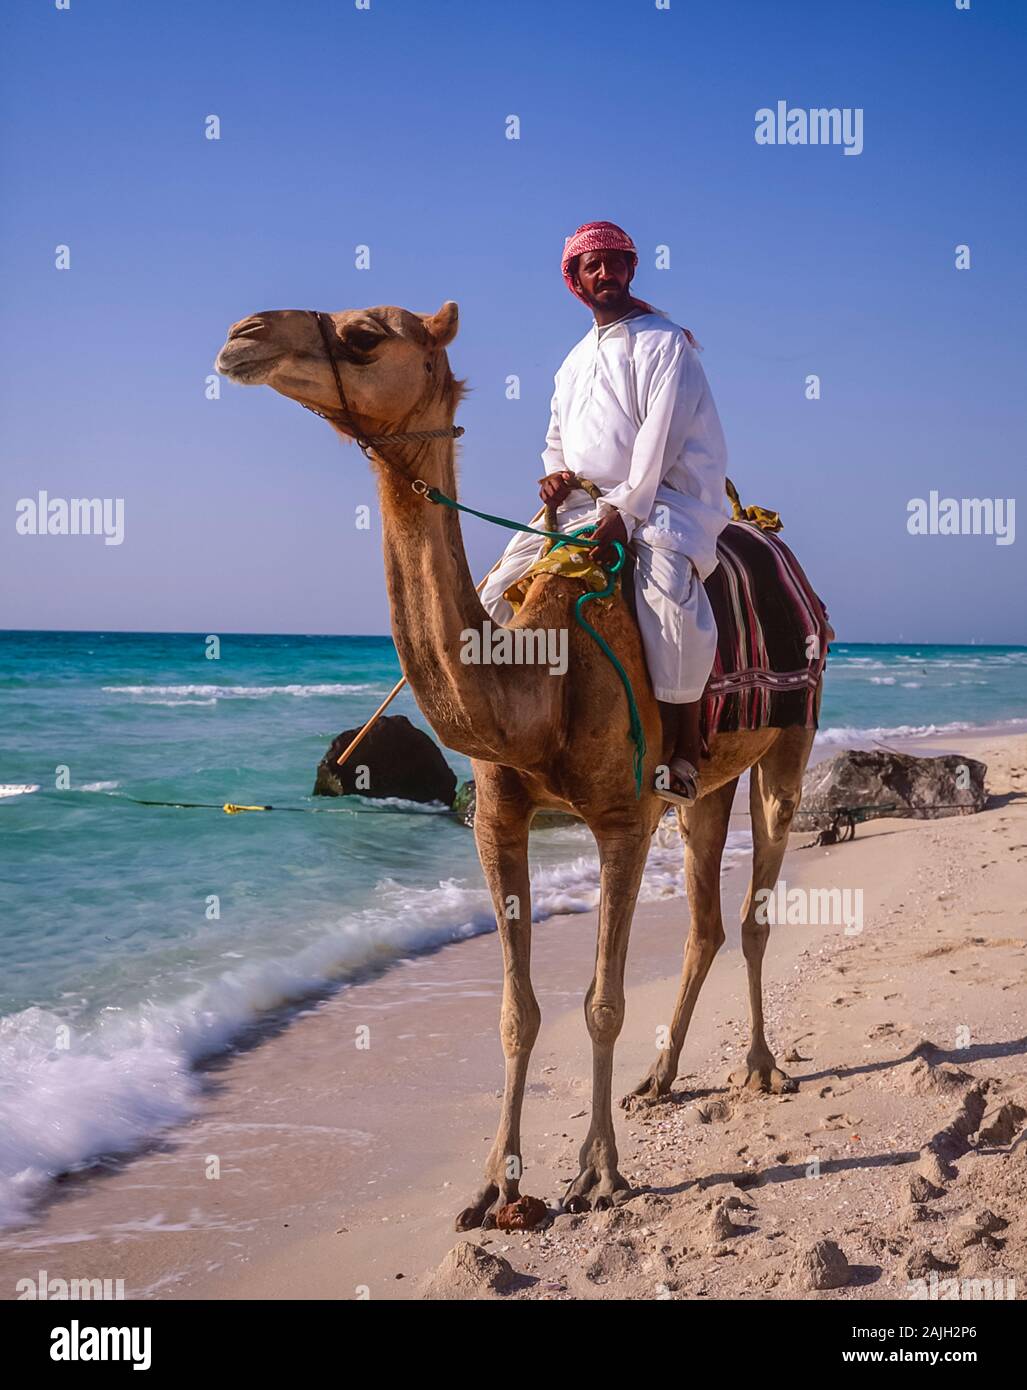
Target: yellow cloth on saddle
x,y
762,517
570,562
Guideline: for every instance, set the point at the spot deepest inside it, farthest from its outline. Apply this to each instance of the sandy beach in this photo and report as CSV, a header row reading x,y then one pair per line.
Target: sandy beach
x,y
331,1153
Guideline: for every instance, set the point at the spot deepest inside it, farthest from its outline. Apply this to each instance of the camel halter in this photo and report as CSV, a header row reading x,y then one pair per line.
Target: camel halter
x,y
367,442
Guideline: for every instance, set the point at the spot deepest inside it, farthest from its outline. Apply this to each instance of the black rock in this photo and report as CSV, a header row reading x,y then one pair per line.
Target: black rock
x,y
394,759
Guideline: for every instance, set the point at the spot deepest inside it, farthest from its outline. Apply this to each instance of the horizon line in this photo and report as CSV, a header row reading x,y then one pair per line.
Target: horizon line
x,y
388,637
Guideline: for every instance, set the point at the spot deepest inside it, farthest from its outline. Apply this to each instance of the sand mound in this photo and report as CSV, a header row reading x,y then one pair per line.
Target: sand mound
x,y
469,1271
822,1265
922,1077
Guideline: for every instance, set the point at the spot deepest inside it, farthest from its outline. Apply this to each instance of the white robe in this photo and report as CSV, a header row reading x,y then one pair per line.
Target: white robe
x,y
632,412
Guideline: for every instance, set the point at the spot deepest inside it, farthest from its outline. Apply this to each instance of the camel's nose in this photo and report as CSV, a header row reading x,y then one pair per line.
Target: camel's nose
x,y
253,327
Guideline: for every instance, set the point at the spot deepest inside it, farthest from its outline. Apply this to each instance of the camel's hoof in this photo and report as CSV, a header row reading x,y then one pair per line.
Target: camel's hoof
x,y
481,1212
769,1079
591,1192
651,1090
606,1200
645,1095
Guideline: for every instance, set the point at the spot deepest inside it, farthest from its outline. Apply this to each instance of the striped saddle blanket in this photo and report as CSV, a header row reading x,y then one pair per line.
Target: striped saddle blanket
x,y
773,633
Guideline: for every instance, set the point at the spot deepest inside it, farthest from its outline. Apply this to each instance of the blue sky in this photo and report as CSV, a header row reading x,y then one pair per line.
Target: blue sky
x,y
386,127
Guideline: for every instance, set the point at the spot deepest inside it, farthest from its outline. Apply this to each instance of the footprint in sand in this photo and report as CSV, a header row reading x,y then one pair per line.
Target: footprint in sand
x,y
714,1111
885,1030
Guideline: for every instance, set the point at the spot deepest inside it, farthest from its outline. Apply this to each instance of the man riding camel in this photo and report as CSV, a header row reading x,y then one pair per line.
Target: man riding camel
x,y
632,412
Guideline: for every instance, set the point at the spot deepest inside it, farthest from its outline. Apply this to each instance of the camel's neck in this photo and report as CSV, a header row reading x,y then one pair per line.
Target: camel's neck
x,y
434,605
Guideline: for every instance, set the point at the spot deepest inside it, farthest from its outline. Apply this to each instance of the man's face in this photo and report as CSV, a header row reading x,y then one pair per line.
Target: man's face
x,y
604,277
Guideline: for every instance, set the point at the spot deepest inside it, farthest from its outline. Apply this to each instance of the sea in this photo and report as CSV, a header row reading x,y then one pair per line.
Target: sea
x,y
138,939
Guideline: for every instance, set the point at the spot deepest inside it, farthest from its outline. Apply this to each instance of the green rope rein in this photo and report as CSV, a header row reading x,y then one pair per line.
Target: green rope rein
x,y
572,538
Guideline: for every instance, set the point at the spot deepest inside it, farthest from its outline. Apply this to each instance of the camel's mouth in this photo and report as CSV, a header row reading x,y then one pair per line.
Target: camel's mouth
x,y
247,363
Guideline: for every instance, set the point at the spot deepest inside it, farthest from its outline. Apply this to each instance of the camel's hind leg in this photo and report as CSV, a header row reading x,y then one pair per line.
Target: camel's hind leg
x,y
501,822
774,792
623,851
707,831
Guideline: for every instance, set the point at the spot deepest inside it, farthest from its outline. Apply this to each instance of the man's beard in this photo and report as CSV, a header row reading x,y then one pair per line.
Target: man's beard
x,y
623,301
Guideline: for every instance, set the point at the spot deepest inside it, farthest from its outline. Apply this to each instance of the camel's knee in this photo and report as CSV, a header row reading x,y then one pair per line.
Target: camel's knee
x,y
604,1018
779,815
519,1025
755,935
706,935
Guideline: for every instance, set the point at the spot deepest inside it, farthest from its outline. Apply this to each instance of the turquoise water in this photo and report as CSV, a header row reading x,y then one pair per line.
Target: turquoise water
x,y
118,969
908,691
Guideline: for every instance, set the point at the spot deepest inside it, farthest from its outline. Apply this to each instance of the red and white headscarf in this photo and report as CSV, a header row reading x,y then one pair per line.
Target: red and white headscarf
x,y
602,236
595,236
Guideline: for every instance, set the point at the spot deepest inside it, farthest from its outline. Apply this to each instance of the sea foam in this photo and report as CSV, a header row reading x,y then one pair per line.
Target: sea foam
x,y
850,736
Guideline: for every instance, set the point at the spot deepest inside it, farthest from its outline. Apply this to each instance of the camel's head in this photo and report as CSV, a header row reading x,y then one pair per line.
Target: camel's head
x,y
390,361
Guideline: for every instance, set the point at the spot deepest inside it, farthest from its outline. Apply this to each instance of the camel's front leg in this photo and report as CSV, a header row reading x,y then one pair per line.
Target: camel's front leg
x,y
501,832
622,854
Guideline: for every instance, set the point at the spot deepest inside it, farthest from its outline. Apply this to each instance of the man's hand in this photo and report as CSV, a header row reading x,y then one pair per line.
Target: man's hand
x,y
610,529
555,488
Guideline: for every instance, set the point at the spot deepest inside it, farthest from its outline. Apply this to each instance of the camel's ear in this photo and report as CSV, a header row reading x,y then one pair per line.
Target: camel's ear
x,y
443,325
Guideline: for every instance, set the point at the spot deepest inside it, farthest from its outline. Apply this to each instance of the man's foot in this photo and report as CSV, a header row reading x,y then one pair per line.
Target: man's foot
x,y
684,783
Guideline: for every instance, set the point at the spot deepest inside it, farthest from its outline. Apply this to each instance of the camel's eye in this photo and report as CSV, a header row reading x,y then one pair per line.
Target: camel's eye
x,y
362,339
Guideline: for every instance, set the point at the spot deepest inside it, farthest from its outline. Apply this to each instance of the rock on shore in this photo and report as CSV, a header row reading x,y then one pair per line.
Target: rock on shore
x,y
396,759
922,788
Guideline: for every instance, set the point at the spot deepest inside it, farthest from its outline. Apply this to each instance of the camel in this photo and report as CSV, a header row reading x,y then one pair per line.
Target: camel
x,y
537,740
